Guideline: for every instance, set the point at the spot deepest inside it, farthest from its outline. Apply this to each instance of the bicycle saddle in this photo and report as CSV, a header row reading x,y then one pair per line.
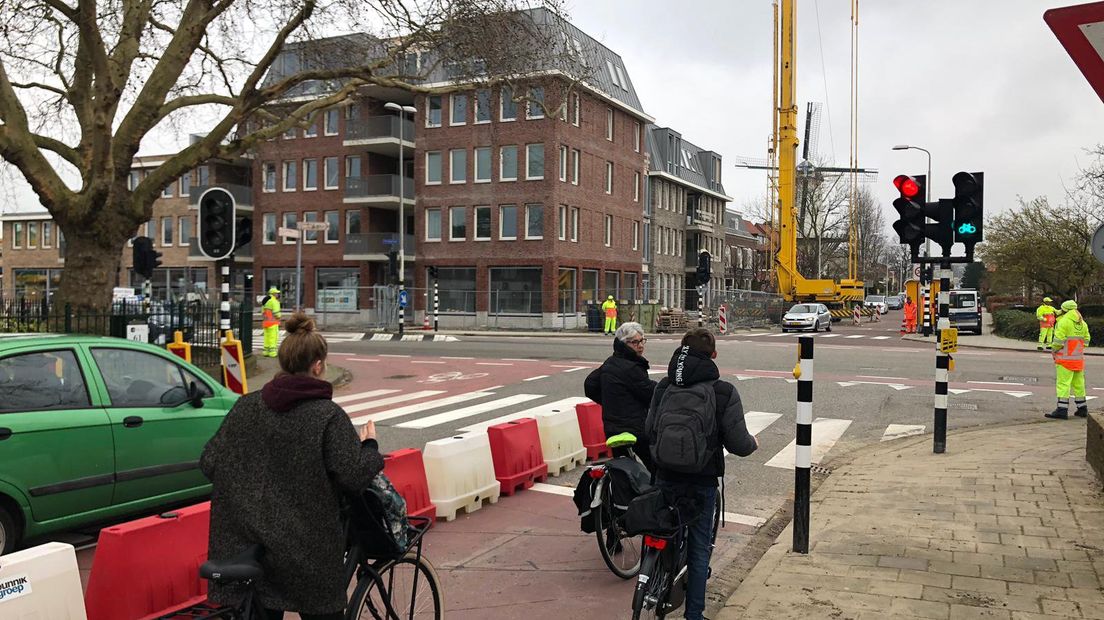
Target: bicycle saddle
x,y
246,566
621,440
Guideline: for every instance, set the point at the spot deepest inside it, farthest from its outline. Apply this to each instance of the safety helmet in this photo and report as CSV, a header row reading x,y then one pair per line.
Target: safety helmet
x,y
610,298
273,291
1047,300
1069,304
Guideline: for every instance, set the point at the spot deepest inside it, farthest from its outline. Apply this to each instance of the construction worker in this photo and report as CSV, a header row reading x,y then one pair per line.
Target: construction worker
x,y
1047,318
910,316
270,321
1071,336
609,308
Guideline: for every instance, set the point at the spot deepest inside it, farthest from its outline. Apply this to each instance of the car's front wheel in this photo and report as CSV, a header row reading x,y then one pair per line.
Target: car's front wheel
x,y
9,535
816,326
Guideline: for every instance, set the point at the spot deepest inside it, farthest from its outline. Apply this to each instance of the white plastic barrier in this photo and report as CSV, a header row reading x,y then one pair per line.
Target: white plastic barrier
x,y
460,474
41,583
561,440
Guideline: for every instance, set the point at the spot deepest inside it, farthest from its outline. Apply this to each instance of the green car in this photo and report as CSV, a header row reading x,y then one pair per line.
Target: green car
x,y
93,429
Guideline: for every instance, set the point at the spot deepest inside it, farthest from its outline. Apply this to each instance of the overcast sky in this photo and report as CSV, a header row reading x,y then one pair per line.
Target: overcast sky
x,y
984,85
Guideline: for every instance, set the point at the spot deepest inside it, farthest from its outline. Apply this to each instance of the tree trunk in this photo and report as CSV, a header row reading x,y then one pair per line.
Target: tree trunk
x,y
92,260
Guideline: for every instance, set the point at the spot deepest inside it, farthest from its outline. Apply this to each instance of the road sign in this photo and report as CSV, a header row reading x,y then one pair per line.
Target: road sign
x,y
389,241
138,333
1080,29
179,347
313,226
287,233
233,365
948,340
1098,244
404,298
916,272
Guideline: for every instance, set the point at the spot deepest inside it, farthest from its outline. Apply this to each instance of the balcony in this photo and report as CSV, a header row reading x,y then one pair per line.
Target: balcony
x,y
699,222
378,190
380,134
243,195
244,253
375,246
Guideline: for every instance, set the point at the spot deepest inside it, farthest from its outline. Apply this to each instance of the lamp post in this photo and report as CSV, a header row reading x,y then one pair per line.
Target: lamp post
x,y
927,198
403,110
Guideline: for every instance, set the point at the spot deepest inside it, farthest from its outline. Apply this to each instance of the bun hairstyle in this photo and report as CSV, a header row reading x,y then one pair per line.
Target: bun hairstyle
x,y
303,345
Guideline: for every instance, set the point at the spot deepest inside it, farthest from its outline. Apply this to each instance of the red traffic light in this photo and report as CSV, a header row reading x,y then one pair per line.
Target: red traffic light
x,y
907,185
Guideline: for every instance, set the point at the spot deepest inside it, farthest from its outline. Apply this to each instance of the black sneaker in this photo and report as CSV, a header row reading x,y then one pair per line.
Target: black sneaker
x,y
1082,412
1058,414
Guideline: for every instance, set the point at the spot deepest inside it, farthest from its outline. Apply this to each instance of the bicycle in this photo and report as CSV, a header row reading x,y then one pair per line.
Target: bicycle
x,y
620,551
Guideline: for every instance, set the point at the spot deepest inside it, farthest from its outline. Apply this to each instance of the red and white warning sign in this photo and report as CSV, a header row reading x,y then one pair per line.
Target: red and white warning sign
x,y
1080,29
233,364
722,318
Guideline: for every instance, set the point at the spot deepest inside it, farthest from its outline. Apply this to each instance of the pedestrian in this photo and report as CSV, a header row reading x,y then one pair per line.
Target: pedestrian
x,y
270,321
622,387
1071,336
910,316
279,465
693,408
609,308
1047,318
856,315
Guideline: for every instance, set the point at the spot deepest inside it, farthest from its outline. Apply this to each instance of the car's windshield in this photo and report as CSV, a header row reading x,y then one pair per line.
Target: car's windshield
x,y
875,298
803,309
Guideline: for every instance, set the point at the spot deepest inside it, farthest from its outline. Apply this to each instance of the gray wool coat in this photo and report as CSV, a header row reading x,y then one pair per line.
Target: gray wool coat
x,y
278,479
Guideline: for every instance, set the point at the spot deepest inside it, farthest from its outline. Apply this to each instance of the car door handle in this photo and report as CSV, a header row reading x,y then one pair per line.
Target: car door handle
x,y
132,421
5,433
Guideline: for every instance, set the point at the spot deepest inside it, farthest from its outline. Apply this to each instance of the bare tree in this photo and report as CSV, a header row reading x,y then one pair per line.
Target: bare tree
x,y
81,86
822,232
870,242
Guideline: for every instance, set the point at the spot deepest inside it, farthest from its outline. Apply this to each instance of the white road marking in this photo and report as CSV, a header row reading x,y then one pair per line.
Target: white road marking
x,y
390,355
554,489
881,377
754,334
896,386
880,338
491,364
893,431
757,421
464,412
770,372
427,362
446,357
826,432
383,402
362,395
577,368
536,377
431,404
830,336
994,382
1015,393
778,335
856,336
516,359
361,359
554,406
733,517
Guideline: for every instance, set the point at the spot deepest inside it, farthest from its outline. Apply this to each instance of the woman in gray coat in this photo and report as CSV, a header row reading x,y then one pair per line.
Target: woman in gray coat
x,y
279,465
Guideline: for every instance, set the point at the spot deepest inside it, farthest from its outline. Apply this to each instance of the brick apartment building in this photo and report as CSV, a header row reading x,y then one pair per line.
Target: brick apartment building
x,y
746,248
686,206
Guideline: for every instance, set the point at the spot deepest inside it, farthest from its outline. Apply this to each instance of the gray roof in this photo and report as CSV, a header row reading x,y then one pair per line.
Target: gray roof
x,y
689,163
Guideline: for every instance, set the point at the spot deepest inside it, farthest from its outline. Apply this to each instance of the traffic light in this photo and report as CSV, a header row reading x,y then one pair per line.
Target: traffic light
x,y
144,257
942,231
393,266
703,268
433,272
968,208
910,205
216,227
244,232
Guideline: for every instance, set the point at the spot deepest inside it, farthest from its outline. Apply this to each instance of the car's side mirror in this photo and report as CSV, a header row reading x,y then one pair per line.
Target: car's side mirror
x,y
195,395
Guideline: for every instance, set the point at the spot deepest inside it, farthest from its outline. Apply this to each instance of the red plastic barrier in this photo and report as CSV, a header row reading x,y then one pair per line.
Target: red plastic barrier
x,y
407,472
516,454
594,434
149,567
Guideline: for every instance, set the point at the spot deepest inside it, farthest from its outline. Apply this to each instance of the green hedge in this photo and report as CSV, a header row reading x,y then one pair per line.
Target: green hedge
x,y
1023,326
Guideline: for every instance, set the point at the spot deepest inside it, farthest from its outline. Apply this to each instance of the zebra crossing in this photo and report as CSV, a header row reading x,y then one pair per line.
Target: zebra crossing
x,y
813,334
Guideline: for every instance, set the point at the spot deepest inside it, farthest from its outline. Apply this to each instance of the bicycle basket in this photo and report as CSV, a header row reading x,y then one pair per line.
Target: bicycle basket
x,y
378,520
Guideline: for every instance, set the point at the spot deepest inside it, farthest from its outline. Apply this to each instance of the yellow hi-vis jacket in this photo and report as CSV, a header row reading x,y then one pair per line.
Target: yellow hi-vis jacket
x,y
1071,336
1047,315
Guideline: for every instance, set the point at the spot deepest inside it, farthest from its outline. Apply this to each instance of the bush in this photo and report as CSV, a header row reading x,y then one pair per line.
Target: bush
x,y
1023,326
995,303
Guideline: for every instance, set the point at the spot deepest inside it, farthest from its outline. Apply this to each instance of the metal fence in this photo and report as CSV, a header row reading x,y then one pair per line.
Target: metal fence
x,y
748,308
154,324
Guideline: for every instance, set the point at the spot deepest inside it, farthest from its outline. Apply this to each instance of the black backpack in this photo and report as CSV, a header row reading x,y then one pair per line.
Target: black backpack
x,y
683,429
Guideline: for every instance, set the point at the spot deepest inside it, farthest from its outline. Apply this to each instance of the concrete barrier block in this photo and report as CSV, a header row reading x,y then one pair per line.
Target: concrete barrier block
x,y
592,430
41,582
460,474
561,440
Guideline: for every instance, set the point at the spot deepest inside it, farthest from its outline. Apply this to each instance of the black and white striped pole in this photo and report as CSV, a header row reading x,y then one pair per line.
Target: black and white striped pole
x,y
942,361
804,452
436,306
224,305
701,305
927,311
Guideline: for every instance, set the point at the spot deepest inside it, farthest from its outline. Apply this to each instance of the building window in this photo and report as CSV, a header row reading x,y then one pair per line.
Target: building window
x,y
336,289
563,163
352,222
565,289
289,222
574,224
167,231
483,164
47,234
636,187
613,284
185,225
482,223
534,221
352,112
433,168
283,279
576,104
17,235
482,106
609,124
311,130
269,176
32,235
310,174
506,104
561,223
167,191
458,224
333,218
331,172
575,155
535,106
433,111
133,179
508,164
629,290
636,235
268,223
352,167
290,133
433,224
330,122
507,222
186,184
458,165
588,291
609,231
534,162
151,230
310,236
291,175
457,290
636,136
609,177
515,290
458,109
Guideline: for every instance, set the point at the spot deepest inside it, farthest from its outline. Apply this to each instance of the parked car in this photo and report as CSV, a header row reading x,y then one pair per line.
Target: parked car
x,y
807,316
895,302
965,310
93,429
878,302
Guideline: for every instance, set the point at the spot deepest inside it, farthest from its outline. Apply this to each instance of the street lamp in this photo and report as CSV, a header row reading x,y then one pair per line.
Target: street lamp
x,y
403,110
927,191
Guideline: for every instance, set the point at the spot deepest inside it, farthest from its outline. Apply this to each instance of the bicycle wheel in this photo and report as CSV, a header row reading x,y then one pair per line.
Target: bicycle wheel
x,y
411,585
648,598
620,552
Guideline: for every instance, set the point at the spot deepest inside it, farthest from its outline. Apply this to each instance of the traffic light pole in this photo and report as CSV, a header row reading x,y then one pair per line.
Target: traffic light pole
x,y
436,306
224,303
942,360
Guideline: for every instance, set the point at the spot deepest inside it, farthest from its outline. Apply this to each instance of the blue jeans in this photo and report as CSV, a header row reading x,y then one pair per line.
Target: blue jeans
x,y
699,546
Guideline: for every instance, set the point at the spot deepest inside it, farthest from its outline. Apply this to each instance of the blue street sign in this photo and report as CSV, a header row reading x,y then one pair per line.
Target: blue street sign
x,y
404,298
387,241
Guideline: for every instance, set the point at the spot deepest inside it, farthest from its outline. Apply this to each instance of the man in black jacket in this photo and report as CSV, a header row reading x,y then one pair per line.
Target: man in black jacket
x,y
621,385
692,376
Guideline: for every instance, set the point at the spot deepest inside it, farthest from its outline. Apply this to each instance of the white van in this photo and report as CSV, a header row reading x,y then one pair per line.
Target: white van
x,y
965,310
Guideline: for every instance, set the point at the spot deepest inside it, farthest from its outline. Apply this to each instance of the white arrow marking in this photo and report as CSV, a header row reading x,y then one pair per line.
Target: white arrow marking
x,y
896,386
893,431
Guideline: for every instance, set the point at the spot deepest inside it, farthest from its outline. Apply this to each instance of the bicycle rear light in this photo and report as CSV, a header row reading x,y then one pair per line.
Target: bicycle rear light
x,y
596,472
658,544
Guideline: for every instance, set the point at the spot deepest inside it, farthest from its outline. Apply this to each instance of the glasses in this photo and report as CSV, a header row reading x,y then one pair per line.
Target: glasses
x,y
638,341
